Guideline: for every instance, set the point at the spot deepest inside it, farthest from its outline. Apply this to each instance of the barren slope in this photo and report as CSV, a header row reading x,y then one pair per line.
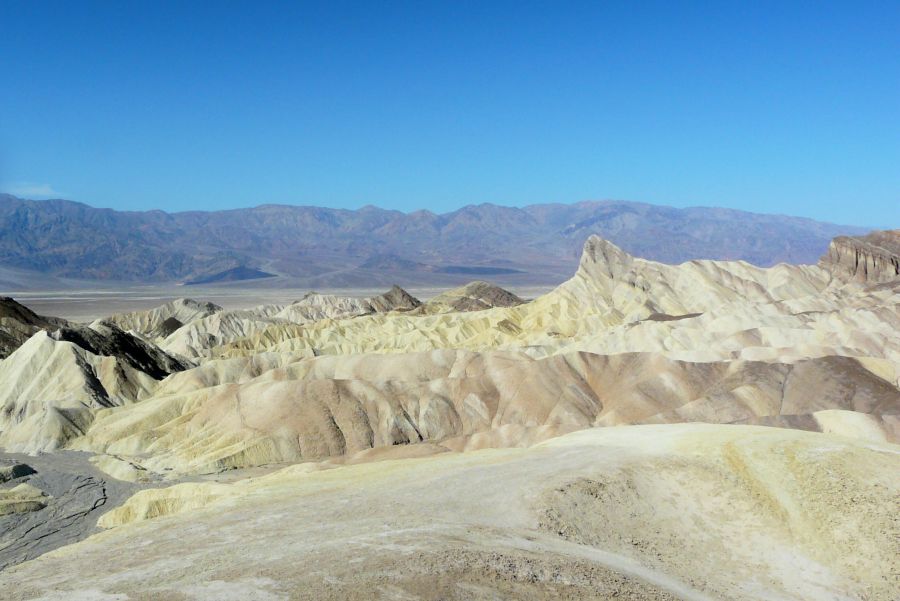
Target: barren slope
x,y
332,406
477,446
688,512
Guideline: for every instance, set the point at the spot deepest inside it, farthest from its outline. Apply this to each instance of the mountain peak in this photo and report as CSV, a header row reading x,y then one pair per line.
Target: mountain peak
x,y
600,257
538,243
395,299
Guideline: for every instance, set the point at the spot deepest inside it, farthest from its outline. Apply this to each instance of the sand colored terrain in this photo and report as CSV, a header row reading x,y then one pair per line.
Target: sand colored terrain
x,y
51,389
332,406
625,341
693,512
475,446
21,498
615,303
54,383
474,296
194,338
162,320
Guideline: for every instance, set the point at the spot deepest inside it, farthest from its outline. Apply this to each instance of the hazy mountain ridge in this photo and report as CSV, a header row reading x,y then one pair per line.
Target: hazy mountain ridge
x,y
367,246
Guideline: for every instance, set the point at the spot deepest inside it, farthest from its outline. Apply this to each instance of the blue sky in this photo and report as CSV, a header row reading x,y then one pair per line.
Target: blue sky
x,y
787,107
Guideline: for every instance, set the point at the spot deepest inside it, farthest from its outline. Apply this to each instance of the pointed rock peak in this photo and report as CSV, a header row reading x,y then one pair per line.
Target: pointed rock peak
x,y
18,323
10,308
395,299
167,327
39,347
106,339
196,304
38,339
604,259
474,296
490,294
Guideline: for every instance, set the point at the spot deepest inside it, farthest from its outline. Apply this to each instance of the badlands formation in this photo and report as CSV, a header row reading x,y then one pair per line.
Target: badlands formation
x,y
709,430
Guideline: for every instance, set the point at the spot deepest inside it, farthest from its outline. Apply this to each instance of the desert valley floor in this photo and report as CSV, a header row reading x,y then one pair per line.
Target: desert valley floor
x,y
708,430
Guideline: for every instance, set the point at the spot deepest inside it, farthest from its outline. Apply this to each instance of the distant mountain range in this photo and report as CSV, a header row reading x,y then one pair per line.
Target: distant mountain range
x,y
321,247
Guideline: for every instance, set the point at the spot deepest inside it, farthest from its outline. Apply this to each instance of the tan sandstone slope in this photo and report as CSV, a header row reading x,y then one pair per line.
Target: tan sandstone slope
x,y
53,384
624,341
165,319
480,448
701,310
332,406
691,512
474,296
195,338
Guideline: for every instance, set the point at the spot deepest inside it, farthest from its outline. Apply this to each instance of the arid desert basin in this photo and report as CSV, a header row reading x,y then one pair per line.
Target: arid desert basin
x,y
708,430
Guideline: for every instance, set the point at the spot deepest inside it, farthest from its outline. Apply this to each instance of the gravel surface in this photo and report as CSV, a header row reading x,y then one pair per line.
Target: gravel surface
x,y
80,494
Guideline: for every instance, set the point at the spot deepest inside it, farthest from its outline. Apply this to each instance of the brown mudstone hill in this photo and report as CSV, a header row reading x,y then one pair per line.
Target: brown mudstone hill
x,y
871,259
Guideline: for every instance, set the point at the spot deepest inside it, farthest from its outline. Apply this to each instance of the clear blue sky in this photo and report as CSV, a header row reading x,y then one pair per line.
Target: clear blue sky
x,y
789,107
